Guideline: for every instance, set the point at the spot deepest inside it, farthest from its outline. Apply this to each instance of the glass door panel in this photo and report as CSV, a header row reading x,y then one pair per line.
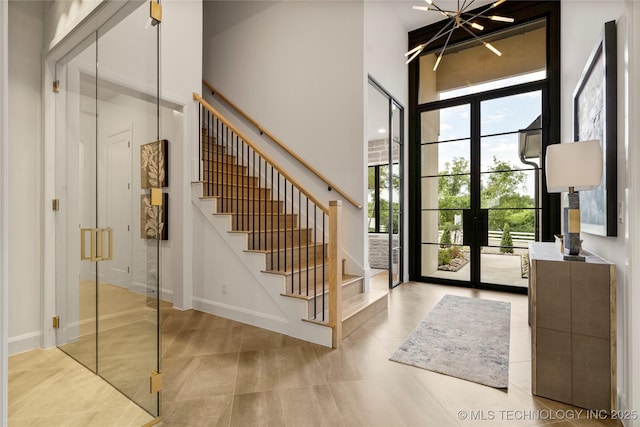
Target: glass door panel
x,y
76,278
107,264
395,188
510,147
127,93
385,163
445,192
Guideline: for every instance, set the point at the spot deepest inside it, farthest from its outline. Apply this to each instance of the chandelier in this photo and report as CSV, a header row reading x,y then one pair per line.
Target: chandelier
x,y
458,19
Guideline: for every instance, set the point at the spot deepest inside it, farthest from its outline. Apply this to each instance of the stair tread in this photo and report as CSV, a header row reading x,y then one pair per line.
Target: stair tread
x,y
346,280
296,269
359,302
252,214
288,248
275,230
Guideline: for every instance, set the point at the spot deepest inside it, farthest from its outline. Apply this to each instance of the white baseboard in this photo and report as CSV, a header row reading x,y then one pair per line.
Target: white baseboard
x,y
307,331
24,342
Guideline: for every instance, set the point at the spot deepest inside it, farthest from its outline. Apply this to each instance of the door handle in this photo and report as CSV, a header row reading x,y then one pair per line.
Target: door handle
x,y
97,238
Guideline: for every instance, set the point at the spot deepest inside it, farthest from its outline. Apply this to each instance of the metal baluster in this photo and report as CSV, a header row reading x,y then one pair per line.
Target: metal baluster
x,y
278,222
323,255
271,231
253,196
306,230
237,169
315,261
200,143
299,244
285,224
260,201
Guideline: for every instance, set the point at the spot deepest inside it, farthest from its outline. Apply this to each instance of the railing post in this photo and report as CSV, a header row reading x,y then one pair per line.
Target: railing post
x,y
335,271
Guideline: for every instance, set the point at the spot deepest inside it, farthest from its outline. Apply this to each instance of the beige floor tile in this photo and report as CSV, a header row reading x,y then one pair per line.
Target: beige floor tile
x,y
199,377
307,406
206,412
276,369
398,401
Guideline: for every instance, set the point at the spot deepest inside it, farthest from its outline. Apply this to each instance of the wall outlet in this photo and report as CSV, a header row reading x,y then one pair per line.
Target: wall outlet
x,y
224,288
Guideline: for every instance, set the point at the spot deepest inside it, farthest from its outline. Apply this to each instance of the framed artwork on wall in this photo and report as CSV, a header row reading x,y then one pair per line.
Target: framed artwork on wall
x,y
153,219
595,117
154,164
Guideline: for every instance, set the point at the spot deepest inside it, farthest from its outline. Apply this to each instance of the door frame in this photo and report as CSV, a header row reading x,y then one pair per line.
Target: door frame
x,y
392,101
476,240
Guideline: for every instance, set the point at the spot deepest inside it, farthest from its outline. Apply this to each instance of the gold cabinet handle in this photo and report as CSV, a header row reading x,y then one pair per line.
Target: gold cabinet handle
x,y
96,237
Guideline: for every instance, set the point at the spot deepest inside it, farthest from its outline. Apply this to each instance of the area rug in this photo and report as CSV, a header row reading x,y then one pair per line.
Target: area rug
x,y
462,337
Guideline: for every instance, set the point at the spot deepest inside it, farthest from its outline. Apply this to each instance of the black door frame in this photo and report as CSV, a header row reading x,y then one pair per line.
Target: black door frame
x,y
392,101
523,12
475,233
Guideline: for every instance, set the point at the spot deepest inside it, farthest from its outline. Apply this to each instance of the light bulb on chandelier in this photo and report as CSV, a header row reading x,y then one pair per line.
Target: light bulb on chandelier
x,y
457,19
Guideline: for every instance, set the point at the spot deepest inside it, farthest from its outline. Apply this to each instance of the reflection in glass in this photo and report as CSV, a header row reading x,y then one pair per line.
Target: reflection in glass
x,y
108,305
128,286
76,280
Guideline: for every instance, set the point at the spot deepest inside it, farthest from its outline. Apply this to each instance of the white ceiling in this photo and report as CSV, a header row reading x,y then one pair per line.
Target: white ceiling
x,y
414,19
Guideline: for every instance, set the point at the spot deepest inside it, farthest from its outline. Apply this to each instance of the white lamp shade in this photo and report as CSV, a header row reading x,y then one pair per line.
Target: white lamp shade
x,y
574,164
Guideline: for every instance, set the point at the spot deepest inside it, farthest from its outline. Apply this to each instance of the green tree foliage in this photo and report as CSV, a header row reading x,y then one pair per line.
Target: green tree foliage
x,y
499,190
507,241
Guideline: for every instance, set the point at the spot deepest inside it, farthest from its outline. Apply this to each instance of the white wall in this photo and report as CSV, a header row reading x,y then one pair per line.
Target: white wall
x,y
632,231
297,68
584,20
64,16
385,42
25,172
4,226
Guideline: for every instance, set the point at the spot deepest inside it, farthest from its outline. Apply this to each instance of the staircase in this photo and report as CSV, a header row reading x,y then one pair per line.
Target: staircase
x,y
242,188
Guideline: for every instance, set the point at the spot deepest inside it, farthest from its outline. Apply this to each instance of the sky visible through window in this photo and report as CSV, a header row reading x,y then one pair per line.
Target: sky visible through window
x,y
507,114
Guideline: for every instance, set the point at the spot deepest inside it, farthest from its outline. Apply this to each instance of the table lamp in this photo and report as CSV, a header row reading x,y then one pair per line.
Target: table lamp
x,y
573,167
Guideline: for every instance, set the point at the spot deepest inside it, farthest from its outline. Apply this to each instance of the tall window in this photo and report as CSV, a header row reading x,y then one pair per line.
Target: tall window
x,y
478,126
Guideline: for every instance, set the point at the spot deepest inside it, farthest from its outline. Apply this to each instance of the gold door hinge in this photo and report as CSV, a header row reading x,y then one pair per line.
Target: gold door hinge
x,y
56,86
55,204
155,382
55,322
155,12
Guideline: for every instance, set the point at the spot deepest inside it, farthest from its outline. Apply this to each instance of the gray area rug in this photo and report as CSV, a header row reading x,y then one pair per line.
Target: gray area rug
x,y
462,337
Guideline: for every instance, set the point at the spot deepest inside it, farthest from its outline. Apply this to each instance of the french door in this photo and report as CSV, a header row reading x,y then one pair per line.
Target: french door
x,y
480,186
107,283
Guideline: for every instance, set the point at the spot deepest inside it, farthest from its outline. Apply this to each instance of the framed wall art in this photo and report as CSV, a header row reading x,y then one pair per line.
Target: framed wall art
x,y
153,219
154,164
595,117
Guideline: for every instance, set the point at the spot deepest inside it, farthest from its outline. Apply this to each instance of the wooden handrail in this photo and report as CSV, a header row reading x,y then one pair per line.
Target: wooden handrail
x,y
264,155
282,145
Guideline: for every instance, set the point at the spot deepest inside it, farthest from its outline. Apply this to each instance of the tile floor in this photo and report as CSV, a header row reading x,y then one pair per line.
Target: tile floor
x,y
218,372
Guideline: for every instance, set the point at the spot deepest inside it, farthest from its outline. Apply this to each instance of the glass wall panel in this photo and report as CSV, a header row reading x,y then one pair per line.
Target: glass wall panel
x,y
107,261
76,180
128,168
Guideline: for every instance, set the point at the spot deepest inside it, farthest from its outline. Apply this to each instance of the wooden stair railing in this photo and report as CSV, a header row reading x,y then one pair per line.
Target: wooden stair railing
x,y
298,234
292,153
